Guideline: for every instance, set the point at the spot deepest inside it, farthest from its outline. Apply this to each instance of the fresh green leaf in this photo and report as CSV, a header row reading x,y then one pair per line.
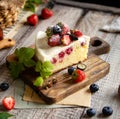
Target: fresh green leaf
x,y
38,1
5,115
39,81
44,68
24,54
30,6
29,63
47,65
38,67
15,69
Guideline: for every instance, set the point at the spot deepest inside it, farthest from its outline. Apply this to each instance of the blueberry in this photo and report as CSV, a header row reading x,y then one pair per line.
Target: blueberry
x,y
57,29
4,86
107,111
70,70
91,112
94,88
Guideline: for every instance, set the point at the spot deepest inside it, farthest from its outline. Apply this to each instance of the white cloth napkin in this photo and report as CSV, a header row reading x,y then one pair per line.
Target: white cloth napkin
x,y
112,27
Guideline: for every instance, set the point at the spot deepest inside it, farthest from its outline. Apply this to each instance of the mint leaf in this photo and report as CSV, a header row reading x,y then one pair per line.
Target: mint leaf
x,y
30,6
38,67
38,1
5,115
24,54
39,81
15,69
44,68
29,63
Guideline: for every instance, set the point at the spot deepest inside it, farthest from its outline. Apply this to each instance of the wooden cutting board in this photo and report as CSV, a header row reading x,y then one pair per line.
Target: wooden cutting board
x,y
96,69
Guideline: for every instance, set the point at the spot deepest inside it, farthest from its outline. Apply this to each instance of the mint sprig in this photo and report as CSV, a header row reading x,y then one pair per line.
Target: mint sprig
x,y
31,4
25,60
44,68
5,115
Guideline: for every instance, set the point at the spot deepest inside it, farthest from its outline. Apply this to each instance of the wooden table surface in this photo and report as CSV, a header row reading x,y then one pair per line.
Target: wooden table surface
x,y
89,22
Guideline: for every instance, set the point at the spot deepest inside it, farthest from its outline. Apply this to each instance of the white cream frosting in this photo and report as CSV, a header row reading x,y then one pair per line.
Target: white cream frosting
x,y
44,52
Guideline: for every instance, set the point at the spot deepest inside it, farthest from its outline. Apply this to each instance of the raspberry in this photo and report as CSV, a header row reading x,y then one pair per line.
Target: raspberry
x,y
61,54
68,50
54,60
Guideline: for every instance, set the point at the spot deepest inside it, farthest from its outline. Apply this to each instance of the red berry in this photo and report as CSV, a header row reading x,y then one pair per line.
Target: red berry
x,y
66,40
8,102
78,75
54,40
61,54
32,19
1,34
46,13
68,50
77,33
54,60
65,29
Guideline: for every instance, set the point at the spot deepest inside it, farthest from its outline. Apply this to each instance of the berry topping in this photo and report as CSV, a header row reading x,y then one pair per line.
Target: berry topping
x,y
77,33
73,37
94,88
8,102
32,19
66,35
61,54
78,75
46,13
70,70
54,40
107,111
68,50
57,29
91,112
66,40
65,29
49,32
81,66
1,34
4,86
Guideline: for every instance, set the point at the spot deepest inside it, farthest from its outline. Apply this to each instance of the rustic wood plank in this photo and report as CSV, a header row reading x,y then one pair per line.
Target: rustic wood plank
x,y
107,95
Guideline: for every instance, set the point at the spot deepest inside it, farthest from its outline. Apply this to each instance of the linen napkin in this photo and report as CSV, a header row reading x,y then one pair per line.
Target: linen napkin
x,y
80,98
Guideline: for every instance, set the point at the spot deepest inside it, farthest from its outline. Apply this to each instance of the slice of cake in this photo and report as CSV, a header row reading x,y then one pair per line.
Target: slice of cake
x,y
61,46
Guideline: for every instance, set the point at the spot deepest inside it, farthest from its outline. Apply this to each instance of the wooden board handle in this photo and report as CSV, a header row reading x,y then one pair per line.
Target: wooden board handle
x,y
98,46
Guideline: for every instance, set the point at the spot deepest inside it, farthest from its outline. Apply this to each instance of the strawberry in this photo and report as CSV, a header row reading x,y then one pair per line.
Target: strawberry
x,y
1,34
46,13
77,33
78,75
8,102
65,29
66,40
54,40
32,19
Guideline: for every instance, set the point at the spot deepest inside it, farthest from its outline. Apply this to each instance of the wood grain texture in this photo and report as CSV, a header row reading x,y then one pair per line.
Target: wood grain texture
x,y
89,24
